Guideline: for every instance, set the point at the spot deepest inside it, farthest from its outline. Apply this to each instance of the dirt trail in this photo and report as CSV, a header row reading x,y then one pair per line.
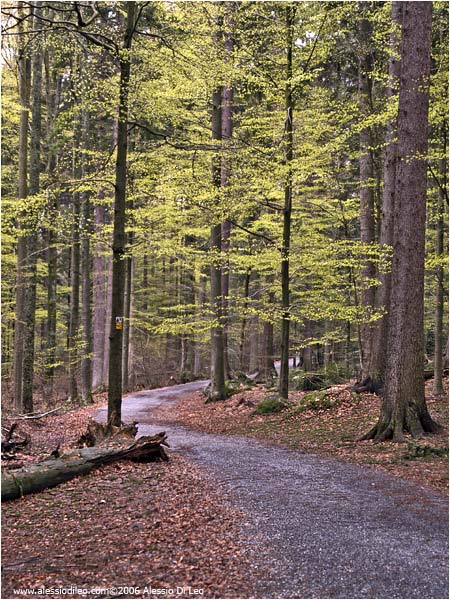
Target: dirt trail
x,y
326,529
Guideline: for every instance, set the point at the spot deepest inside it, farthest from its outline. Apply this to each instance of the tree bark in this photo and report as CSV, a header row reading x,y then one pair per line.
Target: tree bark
x,y
285,284
74,320
127,316
24,67
227,134
438,387
198,358
54,471
32,242
366,177
217,341
99,300
86,312
243,363
118,275
52,255
403,407
381,332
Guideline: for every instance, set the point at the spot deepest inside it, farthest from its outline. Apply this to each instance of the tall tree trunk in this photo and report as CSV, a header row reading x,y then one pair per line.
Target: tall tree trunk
x,y
52,254
24,66
227,133
74,319
367,207
32,242
217,342
99,301
285,285
118,277
439,309
86,313
403,407
378,367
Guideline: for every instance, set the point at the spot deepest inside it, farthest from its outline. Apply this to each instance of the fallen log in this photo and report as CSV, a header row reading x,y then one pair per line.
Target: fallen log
x,y
53,471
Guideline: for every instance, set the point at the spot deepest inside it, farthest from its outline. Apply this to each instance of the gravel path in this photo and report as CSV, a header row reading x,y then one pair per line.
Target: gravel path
x,y
326,529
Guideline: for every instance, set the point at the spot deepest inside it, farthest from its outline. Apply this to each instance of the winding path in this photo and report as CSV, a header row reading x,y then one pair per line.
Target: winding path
x,y
327,529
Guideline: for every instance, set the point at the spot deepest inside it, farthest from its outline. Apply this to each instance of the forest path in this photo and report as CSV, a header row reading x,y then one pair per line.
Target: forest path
x,y
324,528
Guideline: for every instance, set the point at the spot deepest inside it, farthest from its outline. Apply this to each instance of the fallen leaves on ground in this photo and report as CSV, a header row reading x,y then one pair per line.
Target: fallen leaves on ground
x,y
333,430
160,525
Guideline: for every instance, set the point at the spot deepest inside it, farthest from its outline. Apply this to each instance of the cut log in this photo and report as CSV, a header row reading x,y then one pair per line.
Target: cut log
x,y
53,471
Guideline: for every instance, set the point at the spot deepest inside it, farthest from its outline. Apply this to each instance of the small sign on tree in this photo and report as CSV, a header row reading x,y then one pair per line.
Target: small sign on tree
x,y
119,322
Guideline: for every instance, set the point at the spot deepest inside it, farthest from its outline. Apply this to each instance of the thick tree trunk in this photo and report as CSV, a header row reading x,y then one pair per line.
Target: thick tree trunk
x,y
285,284
404,407
54,471
381,330
32,242
24,67
367,208
118,276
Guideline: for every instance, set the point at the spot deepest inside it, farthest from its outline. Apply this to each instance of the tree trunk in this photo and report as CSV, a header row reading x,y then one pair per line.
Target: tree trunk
x,y
381,332
285,285
51,238
86,313
367,208
127,315
227,133
74,320
439,309
118,275
243,365
24,66
268,367
217,341
198,358
32,242
403,407
99,300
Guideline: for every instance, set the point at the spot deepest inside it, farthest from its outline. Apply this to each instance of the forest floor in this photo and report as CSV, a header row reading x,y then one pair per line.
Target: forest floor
x,y
330,428
230,516
155,525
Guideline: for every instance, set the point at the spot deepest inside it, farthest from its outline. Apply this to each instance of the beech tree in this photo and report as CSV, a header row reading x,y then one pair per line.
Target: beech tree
x,y
404,407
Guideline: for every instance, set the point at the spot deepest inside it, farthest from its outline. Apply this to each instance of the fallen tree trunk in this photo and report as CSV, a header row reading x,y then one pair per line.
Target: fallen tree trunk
x,y
53,471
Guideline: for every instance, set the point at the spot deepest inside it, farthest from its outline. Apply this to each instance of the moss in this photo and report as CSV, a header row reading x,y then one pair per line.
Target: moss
x,y
416,451
270,405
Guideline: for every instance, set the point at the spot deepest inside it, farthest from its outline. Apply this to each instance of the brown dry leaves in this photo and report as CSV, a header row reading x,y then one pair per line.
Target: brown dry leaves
x,y
332,432
162,525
